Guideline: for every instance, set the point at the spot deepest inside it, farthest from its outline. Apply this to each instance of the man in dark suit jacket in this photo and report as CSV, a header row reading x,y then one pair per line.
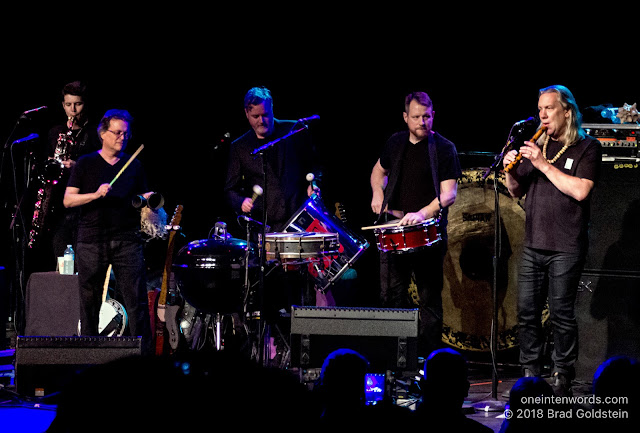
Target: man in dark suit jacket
x,y
286,164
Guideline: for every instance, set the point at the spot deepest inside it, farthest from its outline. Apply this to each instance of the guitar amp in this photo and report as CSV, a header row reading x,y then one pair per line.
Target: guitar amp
x,y
386,337
617,140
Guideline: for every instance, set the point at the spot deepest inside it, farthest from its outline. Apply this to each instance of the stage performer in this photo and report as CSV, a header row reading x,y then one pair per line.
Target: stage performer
x,y
287,164
415,179
557,174
67,142
109,227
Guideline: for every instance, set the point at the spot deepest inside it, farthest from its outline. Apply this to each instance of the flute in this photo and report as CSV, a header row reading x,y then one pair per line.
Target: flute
x,y
513,163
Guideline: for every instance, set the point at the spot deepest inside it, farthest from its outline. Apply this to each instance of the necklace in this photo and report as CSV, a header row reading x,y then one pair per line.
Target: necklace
x,y
558,155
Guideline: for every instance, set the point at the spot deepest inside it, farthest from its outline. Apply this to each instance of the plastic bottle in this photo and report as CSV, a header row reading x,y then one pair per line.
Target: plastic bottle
x,y
69,258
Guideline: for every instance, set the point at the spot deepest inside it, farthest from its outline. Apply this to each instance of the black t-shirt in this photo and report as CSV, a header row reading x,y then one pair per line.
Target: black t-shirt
x,y
555,221
415,188
111,217
415,185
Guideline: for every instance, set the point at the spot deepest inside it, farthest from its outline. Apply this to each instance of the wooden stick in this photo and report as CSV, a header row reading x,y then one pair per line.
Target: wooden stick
x,y
382,226
127,164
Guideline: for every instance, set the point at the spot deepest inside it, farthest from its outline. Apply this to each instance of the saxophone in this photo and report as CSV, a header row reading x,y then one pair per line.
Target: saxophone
x,y
49,178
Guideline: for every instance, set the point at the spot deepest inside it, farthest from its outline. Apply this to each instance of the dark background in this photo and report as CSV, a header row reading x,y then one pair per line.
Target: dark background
x,y
183,77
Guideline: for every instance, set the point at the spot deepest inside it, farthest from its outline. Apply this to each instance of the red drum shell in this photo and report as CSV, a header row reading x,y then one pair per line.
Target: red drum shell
x,y
405,239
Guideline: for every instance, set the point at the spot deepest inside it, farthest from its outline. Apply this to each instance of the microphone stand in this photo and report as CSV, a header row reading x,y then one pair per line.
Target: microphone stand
x,y
264,329
263,332
494,405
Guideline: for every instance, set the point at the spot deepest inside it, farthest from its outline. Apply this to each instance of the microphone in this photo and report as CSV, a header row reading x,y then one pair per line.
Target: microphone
x,y
222,141
26,139
526,122
306,120
34,110
257,191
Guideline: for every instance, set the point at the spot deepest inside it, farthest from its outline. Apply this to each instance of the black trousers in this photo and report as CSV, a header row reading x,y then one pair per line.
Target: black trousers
x,y
425,267
127,259
554,276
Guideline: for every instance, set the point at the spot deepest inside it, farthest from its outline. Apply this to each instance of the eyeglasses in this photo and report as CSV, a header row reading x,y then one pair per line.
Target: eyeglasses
x,y
119,134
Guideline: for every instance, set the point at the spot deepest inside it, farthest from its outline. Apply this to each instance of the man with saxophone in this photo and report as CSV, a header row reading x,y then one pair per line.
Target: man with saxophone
x,y
67,142
557,173
415,179
102,184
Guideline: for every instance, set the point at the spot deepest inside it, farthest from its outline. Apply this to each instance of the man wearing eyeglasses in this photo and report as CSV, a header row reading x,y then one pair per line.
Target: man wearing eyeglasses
x,y
109,227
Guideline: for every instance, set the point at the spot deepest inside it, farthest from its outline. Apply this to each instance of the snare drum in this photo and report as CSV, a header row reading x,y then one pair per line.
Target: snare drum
x,y
298,248
406,239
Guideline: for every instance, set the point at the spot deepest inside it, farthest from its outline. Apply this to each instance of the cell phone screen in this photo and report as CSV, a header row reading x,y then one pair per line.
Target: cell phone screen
x,y
374,387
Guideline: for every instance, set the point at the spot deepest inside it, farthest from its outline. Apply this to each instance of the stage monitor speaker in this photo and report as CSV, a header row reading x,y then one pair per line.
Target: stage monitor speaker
x,y
608,315
388,338
45,364
614,233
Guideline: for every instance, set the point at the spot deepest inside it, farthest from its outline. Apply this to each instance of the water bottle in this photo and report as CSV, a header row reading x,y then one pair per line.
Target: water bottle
x,y
69,257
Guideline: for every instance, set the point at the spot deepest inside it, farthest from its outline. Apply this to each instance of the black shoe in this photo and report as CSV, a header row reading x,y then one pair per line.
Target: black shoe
x,y
561,385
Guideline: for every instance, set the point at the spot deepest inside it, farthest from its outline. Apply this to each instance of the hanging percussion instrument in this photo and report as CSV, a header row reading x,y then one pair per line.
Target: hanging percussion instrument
x,y
468,265
300,248
313,216
406,239
210,273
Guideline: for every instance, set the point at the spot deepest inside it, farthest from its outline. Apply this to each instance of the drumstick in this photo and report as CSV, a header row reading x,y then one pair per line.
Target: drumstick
x,y
127,164
382,226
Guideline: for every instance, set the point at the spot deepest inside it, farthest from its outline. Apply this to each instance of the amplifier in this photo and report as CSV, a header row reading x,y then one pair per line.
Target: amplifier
x,y
45,364
615,139
386,337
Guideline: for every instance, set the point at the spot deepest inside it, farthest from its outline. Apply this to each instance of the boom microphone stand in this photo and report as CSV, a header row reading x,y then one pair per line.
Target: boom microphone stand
x,y
264,333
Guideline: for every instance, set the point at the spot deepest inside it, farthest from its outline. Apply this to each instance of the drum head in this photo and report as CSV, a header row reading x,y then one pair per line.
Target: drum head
x,y
468,266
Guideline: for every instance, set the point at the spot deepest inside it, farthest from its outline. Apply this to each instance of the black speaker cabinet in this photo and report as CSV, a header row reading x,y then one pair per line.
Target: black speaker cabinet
x,y
386,337
614,233
52,304
45,364
608,315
